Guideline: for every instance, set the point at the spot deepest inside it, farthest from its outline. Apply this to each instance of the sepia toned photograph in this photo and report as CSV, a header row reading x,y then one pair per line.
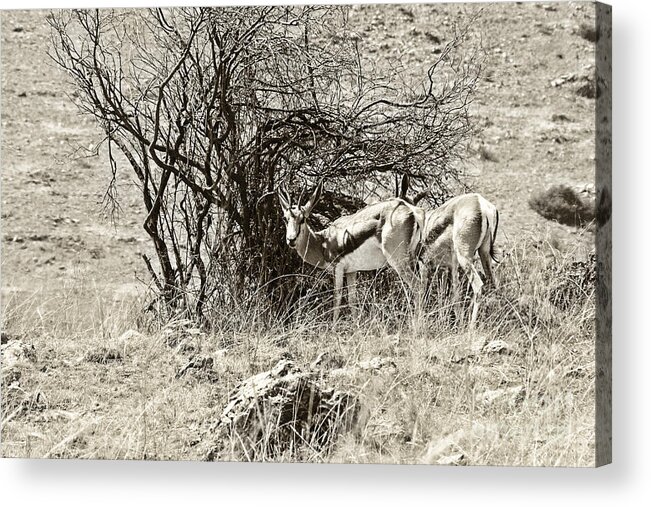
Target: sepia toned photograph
x,y
307,233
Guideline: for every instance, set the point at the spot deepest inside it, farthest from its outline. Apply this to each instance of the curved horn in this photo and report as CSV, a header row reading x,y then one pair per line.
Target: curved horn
x,y
316,195
404,186
420,196
284,197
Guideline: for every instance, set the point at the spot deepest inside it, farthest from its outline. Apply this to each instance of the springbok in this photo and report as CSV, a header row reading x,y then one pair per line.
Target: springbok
x,y
453,233
387,232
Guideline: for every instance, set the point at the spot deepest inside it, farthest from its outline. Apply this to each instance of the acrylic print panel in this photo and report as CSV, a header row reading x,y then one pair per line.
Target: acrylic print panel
x,y
343,234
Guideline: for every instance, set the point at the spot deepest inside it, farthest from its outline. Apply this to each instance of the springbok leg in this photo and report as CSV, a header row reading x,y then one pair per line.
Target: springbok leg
x,y
339,285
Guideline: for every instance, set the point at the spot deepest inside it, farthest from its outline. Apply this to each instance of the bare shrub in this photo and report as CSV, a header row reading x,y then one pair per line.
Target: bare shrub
x,y
213,108
562,204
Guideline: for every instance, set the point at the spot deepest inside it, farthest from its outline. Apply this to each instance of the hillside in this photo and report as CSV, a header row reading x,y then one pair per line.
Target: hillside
x,y
534,134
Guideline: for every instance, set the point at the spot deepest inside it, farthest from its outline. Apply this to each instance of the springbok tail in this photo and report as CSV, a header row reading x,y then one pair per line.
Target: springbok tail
x,y
496,219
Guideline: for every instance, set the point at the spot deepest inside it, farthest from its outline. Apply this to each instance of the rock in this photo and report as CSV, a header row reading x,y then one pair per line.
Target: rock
x,y
449,449
103,355
469,352
453,459
11,375
282,410
16,402
512,395
327,361
183,335
565,78
477,344
316,364
374,364
377,363
438,449
57,415
128,341
435,39
129,336
201,368
464,357
35,402
335,365
5,337
16,351
497,347
586,190
578,372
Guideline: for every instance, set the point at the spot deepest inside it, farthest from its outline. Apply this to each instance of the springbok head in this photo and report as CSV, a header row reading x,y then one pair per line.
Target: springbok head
x,y
294,214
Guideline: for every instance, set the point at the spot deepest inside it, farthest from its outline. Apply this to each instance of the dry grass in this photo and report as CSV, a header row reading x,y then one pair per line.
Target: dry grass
x,y
528,402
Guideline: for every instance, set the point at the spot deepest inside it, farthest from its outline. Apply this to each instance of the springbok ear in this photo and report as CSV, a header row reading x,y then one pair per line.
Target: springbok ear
x,y
404,186
283,197
316,195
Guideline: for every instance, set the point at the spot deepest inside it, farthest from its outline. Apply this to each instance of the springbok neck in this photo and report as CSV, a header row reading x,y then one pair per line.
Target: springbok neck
x,y
309,245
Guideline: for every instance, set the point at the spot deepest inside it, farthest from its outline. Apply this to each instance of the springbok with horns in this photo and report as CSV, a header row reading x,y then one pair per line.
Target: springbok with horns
x,y
387,232
453,234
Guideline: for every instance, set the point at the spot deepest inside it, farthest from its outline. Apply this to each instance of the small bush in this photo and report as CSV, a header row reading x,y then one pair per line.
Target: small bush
x,y
563,204
406,12
486,153
561,118
589,33
588,89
